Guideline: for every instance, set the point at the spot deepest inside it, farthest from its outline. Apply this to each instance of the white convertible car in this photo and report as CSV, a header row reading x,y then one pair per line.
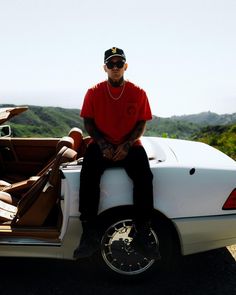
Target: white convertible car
x,y
194,200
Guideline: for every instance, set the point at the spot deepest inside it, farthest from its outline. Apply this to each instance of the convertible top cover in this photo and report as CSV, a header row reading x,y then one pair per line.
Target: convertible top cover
x,y
7,113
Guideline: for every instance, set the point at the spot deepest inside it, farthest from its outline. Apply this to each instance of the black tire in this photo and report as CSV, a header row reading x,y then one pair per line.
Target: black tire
x,y
117,254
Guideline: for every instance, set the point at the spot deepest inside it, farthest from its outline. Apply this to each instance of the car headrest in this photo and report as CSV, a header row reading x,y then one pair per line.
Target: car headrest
x,y
65,141
77,135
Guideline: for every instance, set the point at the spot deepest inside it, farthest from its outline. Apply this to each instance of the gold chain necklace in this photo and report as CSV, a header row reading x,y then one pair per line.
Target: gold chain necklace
x,y
118,97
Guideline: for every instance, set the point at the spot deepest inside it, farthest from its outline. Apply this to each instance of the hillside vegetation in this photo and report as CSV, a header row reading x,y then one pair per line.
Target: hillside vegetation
x,y
220,137
45,122
217,130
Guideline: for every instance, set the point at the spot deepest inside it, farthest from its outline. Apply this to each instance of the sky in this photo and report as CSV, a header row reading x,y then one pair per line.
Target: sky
x,y
181,52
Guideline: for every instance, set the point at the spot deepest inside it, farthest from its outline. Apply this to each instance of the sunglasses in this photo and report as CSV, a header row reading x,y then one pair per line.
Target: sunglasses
x,y
119,64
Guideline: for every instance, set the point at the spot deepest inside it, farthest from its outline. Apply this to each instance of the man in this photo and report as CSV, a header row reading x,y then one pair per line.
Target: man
x,y
115,113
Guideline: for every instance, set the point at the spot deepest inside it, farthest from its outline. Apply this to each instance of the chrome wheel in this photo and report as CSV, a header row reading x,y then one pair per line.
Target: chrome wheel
x,y
118,252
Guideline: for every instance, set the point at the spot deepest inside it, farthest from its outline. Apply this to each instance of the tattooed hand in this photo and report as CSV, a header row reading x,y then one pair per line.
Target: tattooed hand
x,y
107,151
121,151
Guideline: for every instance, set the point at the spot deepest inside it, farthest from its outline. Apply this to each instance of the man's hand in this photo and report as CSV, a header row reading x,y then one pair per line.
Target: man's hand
x,y
107,151
121,151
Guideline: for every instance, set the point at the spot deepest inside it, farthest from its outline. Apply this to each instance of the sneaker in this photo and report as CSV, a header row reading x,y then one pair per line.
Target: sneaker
x,y
141,243
89,244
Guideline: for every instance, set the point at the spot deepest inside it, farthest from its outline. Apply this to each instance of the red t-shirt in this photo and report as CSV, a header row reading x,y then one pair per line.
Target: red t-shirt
x,y
116,116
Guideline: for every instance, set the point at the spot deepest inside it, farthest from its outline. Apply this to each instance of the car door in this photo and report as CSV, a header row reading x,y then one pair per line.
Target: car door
x,y
24,157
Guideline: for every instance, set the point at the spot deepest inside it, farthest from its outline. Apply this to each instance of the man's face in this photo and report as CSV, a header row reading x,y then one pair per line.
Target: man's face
x,y
113,68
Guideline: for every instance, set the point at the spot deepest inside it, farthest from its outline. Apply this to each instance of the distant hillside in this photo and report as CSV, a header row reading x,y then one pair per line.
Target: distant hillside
x,y
168,127
54,121
45,122
207,118
216,130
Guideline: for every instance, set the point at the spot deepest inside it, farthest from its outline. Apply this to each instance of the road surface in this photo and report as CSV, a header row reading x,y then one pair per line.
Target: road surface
x,y
213,272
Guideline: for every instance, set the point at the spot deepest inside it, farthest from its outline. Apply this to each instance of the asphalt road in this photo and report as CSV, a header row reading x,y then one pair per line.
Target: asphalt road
x,y
213,272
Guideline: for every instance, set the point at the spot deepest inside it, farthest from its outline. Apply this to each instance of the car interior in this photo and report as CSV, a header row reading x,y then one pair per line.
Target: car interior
x,y
30,179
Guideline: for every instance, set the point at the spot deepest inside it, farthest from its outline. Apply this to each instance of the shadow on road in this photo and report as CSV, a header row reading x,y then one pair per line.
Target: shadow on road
x,y
213,272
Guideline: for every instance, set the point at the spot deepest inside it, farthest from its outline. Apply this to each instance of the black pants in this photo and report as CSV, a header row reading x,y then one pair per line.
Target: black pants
x,y
137,167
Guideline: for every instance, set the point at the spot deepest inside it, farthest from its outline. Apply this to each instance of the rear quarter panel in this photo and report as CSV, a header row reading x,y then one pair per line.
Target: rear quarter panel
x,y
179,193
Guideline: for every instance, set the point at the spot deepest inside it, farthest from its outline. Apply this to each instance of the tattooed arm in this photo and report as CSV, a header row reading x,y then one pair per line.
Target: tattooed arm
x,y
123,149
105,147
136,133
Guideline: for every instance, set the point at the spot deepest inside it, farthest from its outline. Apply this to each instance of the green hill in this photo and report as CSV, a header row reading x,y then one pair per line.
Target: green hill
x,y
207,118
54,121
216,130
167,127
45,122
220,137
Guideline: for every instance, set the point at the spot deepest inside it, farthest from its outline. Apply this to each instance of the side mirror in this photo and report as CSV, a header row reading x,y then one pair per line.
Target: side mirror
x,y
5,131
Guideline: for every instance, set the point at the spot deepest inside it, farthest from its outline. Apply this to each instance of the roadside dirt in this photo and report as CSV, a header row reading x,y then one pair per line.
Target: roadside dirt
x,y
232,250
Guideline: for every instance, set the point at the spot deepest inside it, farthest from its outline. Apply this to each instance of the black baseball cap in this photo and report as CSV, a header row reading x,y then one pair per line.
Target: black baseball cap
x,y
114,51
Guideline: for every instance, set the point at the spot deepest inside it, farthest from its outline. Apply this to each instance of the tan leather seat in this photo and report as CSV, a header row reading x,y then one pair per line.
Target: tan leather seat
x,y
80,142
8,187
67,141
77,135
3,184
35,205
7,198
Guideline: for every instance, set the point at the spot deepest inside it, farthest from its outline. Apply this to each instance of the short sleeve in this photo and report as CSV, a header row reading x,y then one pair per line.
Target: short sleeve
x,y
144,110
87,110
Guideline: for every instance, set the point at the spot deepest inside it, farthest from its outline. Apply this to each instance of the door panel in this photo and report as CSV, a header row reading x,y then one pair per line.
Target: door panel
x,y
23,157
